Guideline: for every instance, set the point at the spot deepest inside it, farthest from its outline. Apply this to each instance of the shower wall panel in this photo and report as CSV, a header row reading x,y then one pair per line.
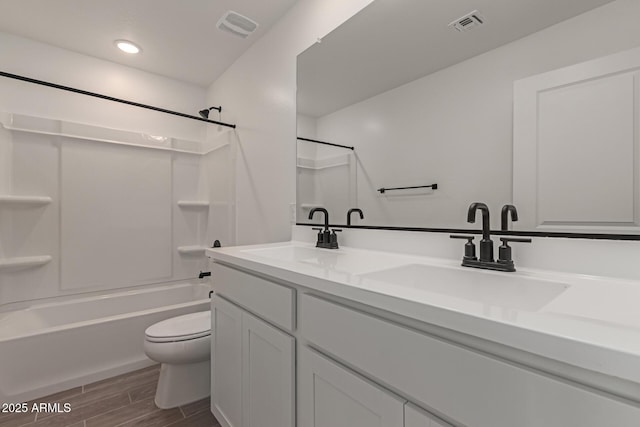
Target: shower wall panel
x,y
116,211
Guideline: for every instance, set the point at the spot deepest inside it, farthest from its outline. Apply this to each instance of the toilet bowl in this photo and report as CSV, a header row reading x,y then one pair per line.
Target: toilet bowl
x,y
183,346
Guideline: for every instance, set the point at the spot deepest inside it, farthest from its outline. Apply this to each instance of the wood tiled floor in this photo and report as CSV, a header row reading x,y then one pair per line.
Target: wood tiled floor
x,y
122,401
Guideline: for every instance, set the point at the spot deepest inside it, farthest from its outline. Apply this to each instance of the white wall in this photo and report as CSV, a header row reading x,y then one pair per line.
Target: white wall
x,y
258,93
114,220
44,62
454,127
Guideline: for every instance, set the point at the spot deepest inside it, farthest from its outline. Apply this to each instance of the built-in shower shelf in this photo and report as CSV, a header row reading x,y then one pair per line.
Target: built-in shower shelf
x,y
191,250
20,263
6,200
193,203
78,131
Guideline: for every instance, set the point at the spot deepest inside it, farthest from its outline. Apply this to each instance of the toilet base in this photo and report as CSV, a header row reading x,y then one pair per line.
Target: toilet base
x,y
182,384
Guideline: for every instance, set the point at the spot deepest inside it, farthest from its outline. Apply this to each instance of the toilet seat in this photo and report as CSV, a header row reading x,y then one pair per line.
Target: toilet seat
x,y
181,328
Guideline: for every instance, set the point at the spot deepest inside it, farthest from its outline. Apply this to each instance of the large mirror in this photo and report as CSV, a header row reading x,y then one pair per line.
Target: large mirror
x,y
423,91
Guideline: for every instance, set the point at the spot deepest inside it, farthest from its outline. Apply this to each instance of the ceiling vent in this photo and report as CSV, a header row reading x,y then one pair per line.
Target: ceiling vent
x,y
237,24
468,22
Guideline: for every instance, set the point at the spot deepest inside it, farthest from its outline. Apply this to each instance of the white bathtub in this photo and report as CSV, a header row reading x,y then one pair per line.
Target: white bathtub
x,y
51,347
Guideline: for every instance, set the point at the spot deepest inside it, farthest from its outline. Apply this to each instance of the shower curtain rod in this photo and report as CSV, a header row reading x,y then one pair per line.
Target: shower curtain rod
x,y
325,143
110,98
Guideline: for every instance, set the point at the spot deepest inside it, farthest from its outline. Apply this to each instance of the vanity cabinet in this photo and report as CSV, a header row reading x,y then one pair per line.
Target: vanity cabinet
x,y
330,394
359,366
252,362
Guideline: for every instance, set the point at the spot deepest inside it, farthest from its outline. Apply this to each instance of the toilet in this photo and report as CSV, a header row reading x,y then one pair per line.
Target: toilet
x,y
183,346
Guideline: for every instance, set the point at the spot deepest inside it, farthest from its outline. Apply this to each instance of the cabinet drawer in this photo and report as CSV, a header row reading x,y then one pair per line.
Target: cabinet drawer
x,y
468,387
271,301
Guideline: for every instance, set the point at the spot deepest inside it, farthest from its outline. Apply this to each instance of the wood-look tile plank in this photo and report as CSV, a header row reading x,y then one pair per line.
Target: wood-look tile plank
x,y
16,419
91,397
58,397
152,368
160,418
196,407
122,401
84,412
123,414
128,376
201,419
126,381
11,420
143,392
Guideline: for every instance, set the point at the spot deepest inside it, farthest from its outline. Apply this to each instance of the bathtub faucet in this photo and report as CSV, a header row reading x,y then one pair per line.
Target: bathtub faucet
x,y
204,274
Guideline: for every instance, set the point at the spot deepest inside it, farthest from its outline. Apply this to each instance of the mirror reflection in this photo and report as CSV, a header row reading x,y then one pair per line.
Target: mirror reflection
x,y
424,92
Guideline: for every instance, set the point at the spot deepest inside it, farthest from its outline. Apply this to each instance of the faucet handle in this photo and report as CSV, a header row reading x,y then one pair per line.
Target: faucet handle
x,y
333,239
504,251
506,240
320,240
469,247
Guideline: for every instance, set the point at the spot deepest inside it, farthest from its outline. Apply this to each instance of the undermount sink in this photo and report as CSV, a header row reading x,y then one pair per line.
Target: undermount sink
x,y
490,288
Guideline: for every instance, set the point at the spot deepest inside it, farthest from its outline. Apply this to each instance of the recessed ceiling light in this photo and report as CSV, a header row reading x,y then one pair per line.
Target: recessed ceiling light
x,y
127,46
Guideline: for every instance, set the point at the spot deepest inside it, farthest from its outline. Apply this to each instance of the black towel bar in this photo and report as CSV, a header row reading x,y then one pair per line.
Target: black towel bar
x,y
432,186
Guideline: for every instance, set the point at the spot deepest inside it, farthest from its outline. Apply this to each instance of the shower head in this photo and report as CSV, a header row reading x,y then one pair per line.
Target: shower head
x,y
205,113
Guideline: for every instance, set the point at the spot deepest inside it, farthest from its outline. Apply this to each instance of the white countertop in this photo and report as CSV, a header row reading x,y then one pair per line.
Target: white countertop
x,y
586,321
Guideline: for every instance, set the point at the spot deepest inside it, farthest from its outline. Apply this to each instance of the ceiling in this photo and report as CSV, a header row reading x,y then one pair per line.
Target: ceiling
x,y
179,38
392,42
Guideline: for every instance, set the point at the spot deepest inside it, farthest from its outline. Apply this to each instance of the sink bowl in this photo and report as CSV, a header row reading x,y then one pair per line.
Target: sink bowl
x,y
489,288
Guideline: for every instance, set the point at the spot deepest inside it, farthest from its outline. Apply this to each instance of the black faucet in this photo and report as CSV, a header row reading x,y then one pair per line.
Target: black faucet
x,y
326,216
504,262
326,238
486,244
352,211
506,209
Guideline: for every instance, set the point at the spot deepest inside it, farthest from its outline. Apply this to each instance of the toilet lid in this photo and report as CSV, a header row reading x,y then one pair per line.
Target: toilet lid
x,y
181,328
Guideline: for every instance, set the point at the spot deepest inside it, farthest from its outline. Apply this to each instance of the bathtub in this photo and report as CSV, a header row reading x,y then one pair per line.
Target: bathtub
x,y
52,347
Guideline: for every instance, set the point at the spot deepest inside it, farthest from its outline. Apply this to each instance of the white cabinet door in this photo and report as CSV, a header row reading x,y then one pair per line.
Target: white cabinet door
x,y
416,417
267,375
226,362
331,396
